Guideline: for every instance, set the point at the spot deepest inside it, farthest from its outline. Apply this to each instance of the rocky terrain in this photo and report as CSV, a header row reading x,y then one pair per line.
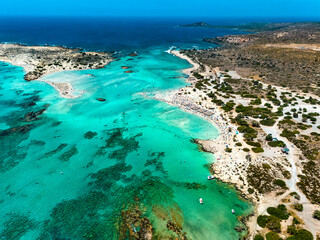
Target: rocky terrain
x,y
39,61
281,54
42,60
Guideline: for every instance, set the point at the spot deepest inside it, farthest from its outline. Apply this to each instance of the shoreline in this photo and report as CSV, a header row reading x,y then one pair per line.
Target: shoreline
x,y
225,128
39,61
187,71
229,166
65,89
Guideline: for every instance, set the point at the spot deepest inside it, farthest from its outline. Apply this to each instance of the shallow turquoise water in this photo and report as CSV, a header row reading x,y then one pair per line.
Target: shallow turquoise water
x,y
59,184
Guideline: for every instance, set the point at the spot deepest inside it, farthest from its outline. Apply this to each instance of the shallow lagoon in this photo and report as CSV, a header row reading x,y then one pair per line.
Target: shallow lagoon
x,y
85,165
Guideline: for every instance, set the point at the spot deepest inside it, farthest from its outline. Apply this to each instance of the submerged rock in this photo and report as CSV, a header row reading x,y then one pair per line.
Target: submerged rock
x,y
56,123
194,186
20,129
68,154
58,149
138,227
239,228
133,54
16,226
33,116
90,135
125,67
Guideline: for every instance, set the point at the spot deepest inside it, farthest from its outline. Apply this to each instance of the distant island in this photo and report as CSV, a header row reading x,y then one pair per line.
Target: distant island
x,y
197,24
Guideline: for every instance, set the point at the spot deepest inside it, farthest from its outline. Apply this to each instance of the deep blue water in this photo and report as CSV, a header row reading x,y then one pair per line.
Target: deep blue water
x,y
112,34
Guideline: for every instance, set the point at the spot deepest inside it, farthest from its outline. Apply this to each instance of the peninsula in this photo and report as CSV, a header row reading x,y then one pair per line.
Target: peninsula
x,y
39,61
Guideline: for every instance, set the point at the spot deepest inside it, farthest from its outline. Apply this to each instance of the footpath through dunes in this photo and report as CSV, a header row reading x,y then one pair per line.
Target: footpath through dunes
x,y
39,61
114,168
255,151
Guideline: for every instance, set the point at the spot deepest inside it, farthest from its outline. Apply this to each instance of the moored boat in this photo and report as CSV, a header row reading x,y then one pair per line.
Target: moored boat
x,y
210,177
201,200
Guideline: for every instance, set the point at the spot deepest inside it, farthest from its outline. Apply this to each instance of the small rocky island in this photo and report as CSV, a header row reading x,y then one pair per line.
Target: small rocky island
x,y
39,61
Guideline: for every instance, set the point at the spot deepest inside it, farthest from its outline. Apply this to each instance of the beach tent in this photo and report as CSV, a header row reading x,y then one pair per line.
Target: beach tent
x,y
285,150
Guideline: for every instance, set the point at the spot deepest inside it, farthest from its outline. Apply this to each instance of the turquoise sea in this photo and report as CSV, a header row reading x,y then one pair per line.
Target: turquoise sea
x,y
86,169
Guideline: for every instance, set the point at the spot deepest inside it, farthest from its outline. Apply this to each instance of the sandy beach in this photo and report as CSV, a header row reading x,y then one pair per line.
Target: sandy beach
x,y
65,89
40,61
230,167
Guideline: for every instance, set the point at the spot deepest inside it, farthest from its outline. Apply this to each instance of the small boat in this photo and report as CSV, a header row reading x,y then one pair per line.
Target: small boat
x,y
232,210
210,177
200,200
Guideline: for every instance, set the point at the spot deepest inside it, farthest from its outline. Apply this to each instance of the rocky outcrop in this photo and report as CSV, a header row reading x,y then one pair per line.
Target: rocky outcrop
x,y
20,129
42,60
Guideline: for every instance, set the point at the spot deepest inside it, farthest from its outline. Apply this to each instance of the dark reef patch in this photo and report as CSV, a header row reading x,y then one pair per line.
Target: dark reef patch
x,y
195,186
68,154
33,116
120,144
18,130
16,226
156,161
117,207
10,139
56,123
58,149
90,135
82,218
37,143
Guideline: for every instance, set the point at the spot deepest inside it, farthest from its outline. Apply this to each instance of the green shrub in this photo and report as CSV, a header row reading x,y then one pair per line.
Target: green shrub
x,y
273,223
269,138
267,122
286,133
257,101
257,150
301,235
238,144
280,183
298,207
197,75
292,229
258,237
266,166
262,220
248,132
276,144
228,106
316,214
255,144
250,190
272,236
229,150
279,212
268,105
246,149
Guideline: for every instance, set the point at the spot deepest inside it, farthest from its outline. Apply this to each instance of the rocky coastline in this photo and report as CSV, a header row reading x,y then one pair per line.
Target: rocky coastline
x,y
39,61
